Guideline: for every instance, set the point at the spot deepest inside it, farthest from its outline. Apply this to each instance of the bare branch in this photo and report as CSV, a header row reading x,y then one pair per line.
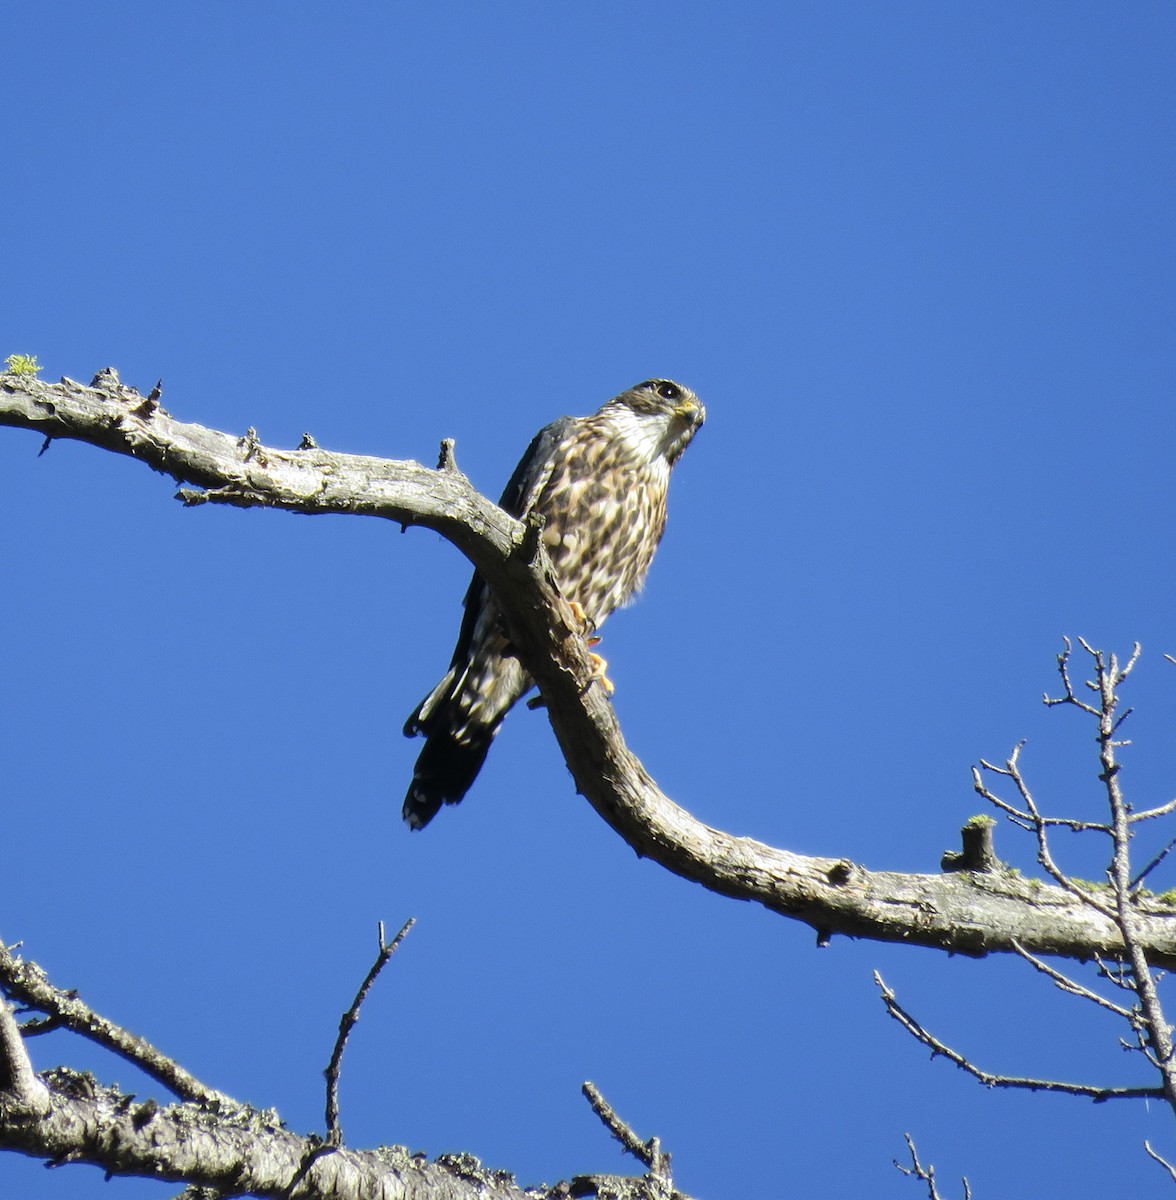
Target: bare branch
x,y
912,1026
650,1153
1070,697
27,983
1159,1158
1159,858
1032,819
962,912
623,1132
1109,675
977,848
347,1023
1149,814
927,1174
220,1149
20,1090
1025,818
243,1152
1072,986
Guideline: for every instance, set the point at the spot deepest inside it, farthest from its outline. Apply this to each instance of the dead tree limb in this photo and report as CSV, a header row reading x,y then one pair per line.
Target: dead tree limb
x,y
221,1148
973,912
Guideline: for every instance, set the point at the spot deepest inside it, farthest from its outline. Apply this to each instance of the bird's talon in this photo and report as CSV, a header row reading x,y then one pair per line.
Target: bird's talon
x,y
581,616
600,673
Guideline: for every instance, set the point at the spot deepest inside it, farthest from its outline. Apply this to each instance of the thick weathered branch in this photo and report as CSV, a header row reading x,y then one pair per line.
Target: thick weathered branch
x,y
971,912
241,1153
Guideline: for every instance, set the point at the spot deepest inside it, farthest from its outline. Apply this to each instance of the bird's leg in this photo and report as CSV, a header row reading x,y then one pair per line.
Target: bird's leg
x,y
591,638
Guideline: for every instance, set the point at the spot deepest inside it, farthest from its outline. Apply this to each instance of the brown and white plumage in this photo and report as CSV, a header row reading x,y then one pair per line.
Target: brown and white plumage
x,y
600,483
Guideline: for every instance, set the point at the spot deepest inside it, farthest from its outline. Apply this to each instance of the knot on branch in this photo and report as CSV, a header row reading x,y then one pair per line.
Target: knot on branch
x,y
841,871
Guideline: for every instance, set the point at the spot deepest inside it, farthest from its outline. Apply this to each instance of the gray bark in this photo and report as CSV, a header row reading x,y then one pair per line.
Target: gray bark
x,y
970,912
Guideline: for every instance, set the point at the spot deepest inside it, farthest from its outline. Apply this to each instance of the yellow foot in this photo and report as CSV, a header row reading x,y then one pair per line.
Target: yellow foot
x,y
580,615
588,633
600,671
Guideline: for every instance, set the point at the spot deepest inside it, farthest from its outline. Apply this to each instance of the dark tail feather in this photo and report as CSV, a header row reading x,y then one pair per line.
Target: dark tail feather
x,y
445,771
459,718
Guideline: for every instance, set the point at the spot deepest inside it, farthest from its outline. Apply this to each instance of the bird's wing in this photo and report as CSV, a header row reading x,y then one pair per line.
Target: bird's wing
x,y
534,467
522,488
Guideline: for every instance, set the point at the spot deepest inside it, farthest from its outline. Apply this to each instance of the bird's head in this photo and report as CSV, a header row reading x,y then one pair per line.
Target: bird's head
x,y
659,416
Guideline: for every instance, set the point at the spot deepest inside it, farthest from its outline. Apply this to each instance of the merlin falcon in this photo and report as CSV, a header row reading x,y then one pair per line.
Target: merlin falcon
x,y
599,483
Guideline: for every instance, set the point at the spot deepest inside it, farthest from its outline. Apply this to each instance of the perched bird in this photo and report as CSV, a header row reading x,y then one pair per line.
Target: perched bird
x,y
600,483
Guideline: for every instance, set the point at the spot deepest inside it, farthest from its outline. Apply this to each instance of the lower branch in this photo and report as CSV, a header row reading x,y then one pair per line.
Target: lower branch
x,y
26,983
225,1150
1091,1091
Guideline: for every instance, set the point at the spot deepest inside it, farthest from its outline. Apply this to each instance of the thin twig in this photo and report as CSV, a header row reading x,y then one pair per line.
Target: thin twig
x,y
623,1132
1066,984
1148,814
1098,1094
347,1023
917,1171
1032,819
1070,697
1158,1157
1159,858
659,1178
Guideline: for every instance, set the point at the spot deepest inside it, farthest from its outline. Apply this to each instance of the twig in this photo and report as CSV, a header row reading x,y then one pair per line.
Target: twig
x,y
623,1132
1158,1157
1033,820
1098,1094
659,1177
27,983
1159,858
347,1023
1148,814
1066,984
927,1173
1026,820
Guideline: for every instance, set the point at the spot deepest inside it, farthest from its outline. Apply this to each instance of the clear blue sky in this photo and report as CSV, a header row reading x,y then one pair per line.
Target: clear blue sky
x,y
917,259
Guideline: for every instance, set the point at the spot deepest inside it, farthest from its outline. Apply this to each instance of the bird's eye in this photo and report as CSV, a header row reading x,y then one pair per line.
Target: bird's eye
x,y
669,391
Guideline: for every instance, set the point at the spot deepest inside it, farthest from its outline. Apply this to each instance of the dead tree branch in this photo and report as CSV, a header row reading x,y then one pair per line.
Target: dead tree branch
x,y
659,1176
27,984
1161,1160
988,1078
225,1149
347,1023
965,911
926,1173
1119,899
